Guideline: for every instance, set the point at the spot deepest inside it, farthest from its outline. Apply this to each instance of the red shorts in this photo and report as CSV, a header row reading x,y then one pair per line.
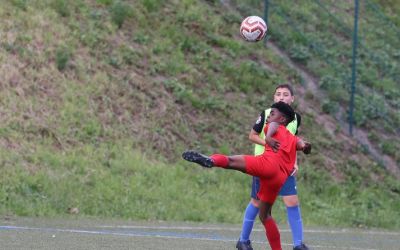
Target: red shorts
x,y
272,176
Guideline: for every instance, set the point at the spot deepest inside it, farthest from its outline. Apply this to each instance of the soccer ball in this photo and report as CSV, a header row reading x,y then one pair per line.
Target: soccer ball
x,y
253,28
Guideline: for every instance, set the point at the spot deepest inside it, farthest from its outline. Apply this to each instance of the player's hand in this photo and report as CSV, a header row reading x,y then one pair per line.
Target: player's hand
x,y
307,148
274,144
295,169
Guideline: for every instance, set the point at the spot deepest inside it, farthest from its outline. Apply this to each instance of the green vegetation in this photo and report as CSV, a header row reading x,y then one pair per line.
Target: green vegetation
x,y
99,99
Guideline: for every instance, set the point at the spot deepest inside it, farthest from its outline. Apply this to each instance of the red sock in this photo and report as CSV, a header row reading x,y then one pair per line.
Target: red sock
x,y
272,232
220,160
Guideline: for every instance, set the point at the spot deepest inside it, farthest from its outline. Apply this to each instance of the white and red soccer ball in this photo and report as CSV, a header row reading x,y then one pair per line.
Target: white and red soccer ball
x,y
253,28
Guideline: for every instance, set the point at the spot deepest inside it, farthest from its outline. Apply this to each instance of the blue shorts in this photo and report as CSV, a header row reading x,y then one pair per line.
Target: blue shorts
x,y
289,188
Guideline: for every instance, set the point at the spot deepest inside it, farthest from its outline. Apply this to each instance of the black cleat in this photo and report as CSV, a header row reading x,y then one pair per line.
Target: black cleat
x,y
301,247
198,158
244,245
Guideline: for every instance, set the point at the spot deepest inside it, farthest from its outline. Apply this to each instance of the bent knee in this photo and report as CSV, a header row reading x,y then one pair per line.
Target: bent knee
x,y
264,217
291,200
255,202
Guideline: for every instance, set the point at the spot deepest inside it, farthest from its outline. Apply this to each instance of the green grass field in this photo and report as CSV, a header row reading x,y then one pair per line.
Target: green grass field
x,y
121,234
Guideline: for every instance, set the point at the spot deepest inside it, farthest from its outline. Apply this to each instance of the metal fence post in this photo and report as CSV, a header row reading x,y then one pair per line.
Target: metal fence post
x,y
266,6
353,68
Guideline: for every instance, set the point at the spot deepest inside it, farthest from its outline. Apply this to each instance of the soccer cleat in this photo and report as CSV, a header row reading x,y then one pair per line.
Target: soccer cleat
x,y
198,158
301,247
244,245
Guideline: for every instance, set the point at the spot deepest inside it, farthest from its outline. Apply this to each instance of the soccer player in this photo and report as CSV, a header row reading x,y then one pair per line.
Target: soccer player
x,y
284,93
272,167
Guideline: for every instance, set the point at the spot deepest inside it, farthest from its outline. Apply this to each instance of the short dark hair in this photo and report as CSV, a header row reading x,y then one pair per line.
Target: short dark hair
x,y
286,86
286,110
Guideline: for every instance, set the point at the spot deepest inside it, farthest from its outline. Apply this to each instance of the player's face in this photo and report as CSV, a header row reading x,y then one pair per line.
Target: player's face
x,y
275,116
283,95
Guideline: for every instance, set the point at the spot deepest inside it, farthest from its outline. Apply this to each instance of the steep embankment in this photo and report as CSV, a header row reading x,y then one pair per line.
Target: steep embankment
x,y
360,135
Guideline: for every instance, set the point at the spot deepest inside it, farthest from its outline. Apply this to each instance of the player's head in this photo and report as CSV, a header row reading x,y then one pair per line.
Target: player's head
x,y
281,113
284,93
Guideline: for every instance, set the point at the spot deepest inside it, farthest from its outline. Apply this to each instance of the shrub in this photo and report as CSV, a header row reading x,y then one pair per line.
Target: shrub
x,y
105,2
62,7
63,55
21,4
330,107
368,108
388,148
120,12
334,87
151,5
299,53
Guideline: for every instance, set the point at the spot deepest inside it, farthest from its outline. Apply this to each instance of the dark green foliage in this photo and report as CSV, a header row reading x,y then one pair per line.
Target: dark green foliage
x,y
190,45
152,5
62,7
129,55
105,2
389,148
329,107
63,55
250,76
368,109
120,11
335,88
141,37
21,4
299,54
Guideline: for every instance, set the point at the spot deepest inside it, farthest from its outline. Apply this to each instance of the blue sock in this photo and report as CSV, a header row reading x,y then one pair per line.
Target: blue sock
x,y
248,221
296,225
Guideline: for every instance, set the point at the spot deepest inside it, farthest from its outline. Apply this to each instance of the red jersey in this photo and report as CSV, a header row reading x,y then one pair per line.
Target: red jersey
x,y
285,157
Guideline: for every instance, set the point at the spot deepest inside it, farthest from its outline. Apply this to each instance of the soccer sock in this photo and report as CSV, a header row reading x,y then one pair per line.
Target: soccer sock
x,y
250,215
296,225
220,160
272,232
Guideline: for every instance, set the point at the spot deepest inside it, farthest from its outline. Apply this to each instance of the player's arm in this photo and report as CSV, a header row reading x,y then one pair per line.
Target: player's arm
x,y
272,128
296,166
254,137
303,146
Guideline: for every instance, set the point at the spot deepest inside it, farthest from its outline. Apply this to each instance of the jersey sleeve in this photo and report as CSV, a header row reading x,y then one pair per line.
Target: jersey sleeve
x,y
259,124
298,117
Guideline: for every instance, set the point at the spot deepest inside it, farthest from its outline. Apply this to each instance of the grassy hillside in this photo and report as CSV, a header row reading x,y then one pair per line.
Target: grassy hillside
x,y
99,99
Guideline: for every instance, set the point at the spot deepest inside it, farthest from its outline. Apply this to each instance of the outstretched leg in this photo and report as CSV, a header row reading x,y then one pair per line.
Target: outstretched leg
x,y
271,229
198,158
235,162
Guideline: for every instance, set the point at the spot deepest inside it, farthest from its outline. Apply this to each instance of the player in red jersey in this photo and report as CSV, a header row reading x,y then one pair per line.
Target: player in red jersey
x,y
273,166
288,192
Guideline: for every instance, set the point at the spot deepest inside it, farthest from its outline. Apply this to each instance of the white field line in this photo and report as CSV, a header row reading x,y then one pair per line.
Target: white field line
x,y
342,231
52,230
